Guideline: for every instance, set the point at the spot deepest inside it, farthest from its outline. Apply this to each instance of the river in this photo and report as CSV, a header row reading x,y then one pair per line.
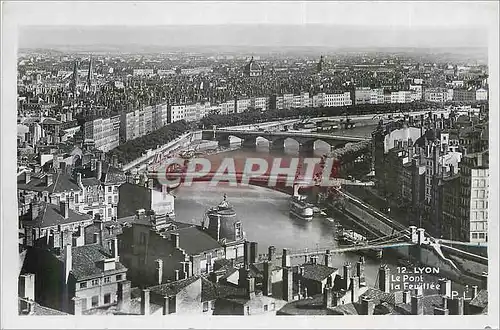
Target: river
x,y
264,213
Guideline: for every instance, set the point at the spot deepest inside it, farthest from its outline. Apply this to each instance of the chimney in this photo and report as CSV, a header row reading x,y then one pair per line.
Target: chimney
x,y
177,274
346,276
250,288
242,275
116,254
68,262
79,179
151,184
98,170
383,278
145,302
166,309
444,287
253,252
27,286
406,297
287,284
159,271
327,297
354,289
328,259
64,209
367,306
272,254
175,239
301,271
48,179
484,280
62,167
124,296
27,177
417,307
360,271
474,291
455,306
267,282
285,259
441,311
96,238
246,254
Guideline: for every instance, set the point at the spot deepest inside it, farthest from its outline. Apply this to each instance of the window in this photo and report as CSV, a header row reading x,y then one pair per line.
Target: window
x,y
109,199
205,306
76,199
273,306
95,301
237,229
95,282
110,212
118,277
265,308
109,189
83,285
474,235
481,235
107,298
107,279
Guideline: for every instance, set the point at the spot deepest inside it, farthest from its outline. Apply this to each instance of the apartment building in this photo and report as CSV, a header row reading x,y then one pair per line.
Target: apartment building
x,y
242,105
481,94
362,95
401,97
176,113
436,95
337,99
105,132
377,96
259,103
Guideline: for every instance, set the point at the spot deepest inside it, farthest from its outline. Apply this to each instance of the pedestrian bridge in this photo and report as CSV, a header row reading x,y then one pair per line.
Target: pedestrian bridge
x,y
277,139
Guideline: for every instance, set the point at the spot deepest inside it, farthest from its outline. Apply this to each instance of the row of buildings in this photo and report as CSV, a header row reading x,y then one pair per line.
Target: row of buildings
x,y
438,170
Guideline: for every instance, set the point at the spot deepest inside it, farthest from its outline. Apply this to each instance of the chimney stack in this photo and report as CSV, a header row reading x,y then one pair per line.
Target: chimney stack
x,y
98,170
116,253
27,177
328,259
145,302
455,306
64,209
272,254
346,276
68,261
484,280
417,307
384,278
360,272
175,239
441,311
177,274
246,254
328,297
354,289
406,297
250,288
267,283
367,306
159,271
444,287
474,291
124,296
166,309
48,179
285,259
287,284
253,252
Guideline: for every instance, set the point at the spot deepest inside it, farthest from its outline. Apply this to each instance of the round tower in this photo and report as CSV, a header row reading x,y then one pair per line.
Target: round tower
x,y
223,223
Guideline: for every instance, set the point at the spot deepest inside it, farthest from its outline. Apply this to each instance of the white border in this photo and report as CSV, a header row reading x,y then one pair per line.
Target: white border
x,y
401,14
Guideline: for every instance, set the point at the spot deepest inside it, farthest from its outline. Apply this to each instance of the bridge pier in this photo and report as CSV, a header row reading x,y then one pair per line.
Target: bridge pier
x,y
249,143
224,141
277,145
306,147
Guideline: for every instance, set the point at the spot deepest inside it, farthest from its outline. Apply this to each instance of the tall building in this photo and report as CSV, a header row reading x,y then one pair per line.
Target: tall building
x,y
105,132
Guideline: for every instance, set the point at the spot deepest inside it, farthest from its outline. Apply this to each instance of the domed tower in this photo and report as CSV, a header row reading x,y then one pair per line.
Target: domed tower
x,y
224,226
253,69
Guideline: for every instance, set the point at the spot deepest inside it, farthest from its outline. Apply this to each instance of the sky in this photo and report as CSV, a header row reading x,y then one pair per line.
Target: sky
x,y
279,24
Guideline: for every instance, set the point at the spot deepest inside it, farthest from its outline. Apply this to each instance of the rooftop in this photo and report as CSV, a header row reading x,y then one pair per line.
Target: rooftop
x,y
50,215
60,183
173,288
317,272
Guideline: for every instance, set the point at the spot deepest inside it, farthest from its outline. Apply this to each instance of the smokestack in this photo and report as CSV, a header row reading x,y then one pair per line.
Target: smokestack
x,y
124,296
367,306
145,302
98,170
175,239
383,278
48,179
64,209
328,259
253,252
417,307
68,262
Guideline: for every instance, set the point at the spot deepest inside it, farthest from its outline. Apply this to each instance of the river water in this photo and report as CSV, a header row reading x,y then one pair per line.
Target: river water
x,y
264,213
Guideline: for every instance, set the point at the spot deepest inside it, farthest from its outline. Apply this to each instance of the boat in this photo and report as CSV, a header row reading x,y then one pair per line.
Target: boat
x,y
300,208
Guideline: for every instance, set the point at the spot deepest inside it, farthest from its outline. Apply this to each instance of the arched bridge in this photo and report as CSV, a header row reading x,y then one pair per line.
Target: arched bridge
x,y
277,139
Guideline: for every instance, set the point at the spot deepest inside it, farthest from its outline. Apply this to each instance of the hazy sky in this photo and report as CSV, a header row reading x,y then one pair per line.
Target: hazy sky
x,y
333,24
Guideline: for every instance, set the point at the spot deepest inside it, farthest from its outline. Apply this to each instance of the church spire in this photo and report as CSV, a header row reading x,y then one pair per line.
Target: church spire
x,y
89,74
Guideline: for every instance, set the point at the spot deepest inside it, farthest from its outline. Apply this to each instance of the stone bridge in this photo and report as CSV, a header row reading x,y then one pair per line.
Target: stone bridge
x,y
277,139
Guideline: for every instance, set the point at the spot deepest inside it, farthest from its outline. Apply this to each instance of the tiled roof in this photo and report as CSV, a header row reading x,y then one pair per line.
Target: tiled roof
x,y
50,215
317,272
378,296
312,306
91,182
173,288
60,183
195,241
112,175
257,270
481,300
38,310
86,258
